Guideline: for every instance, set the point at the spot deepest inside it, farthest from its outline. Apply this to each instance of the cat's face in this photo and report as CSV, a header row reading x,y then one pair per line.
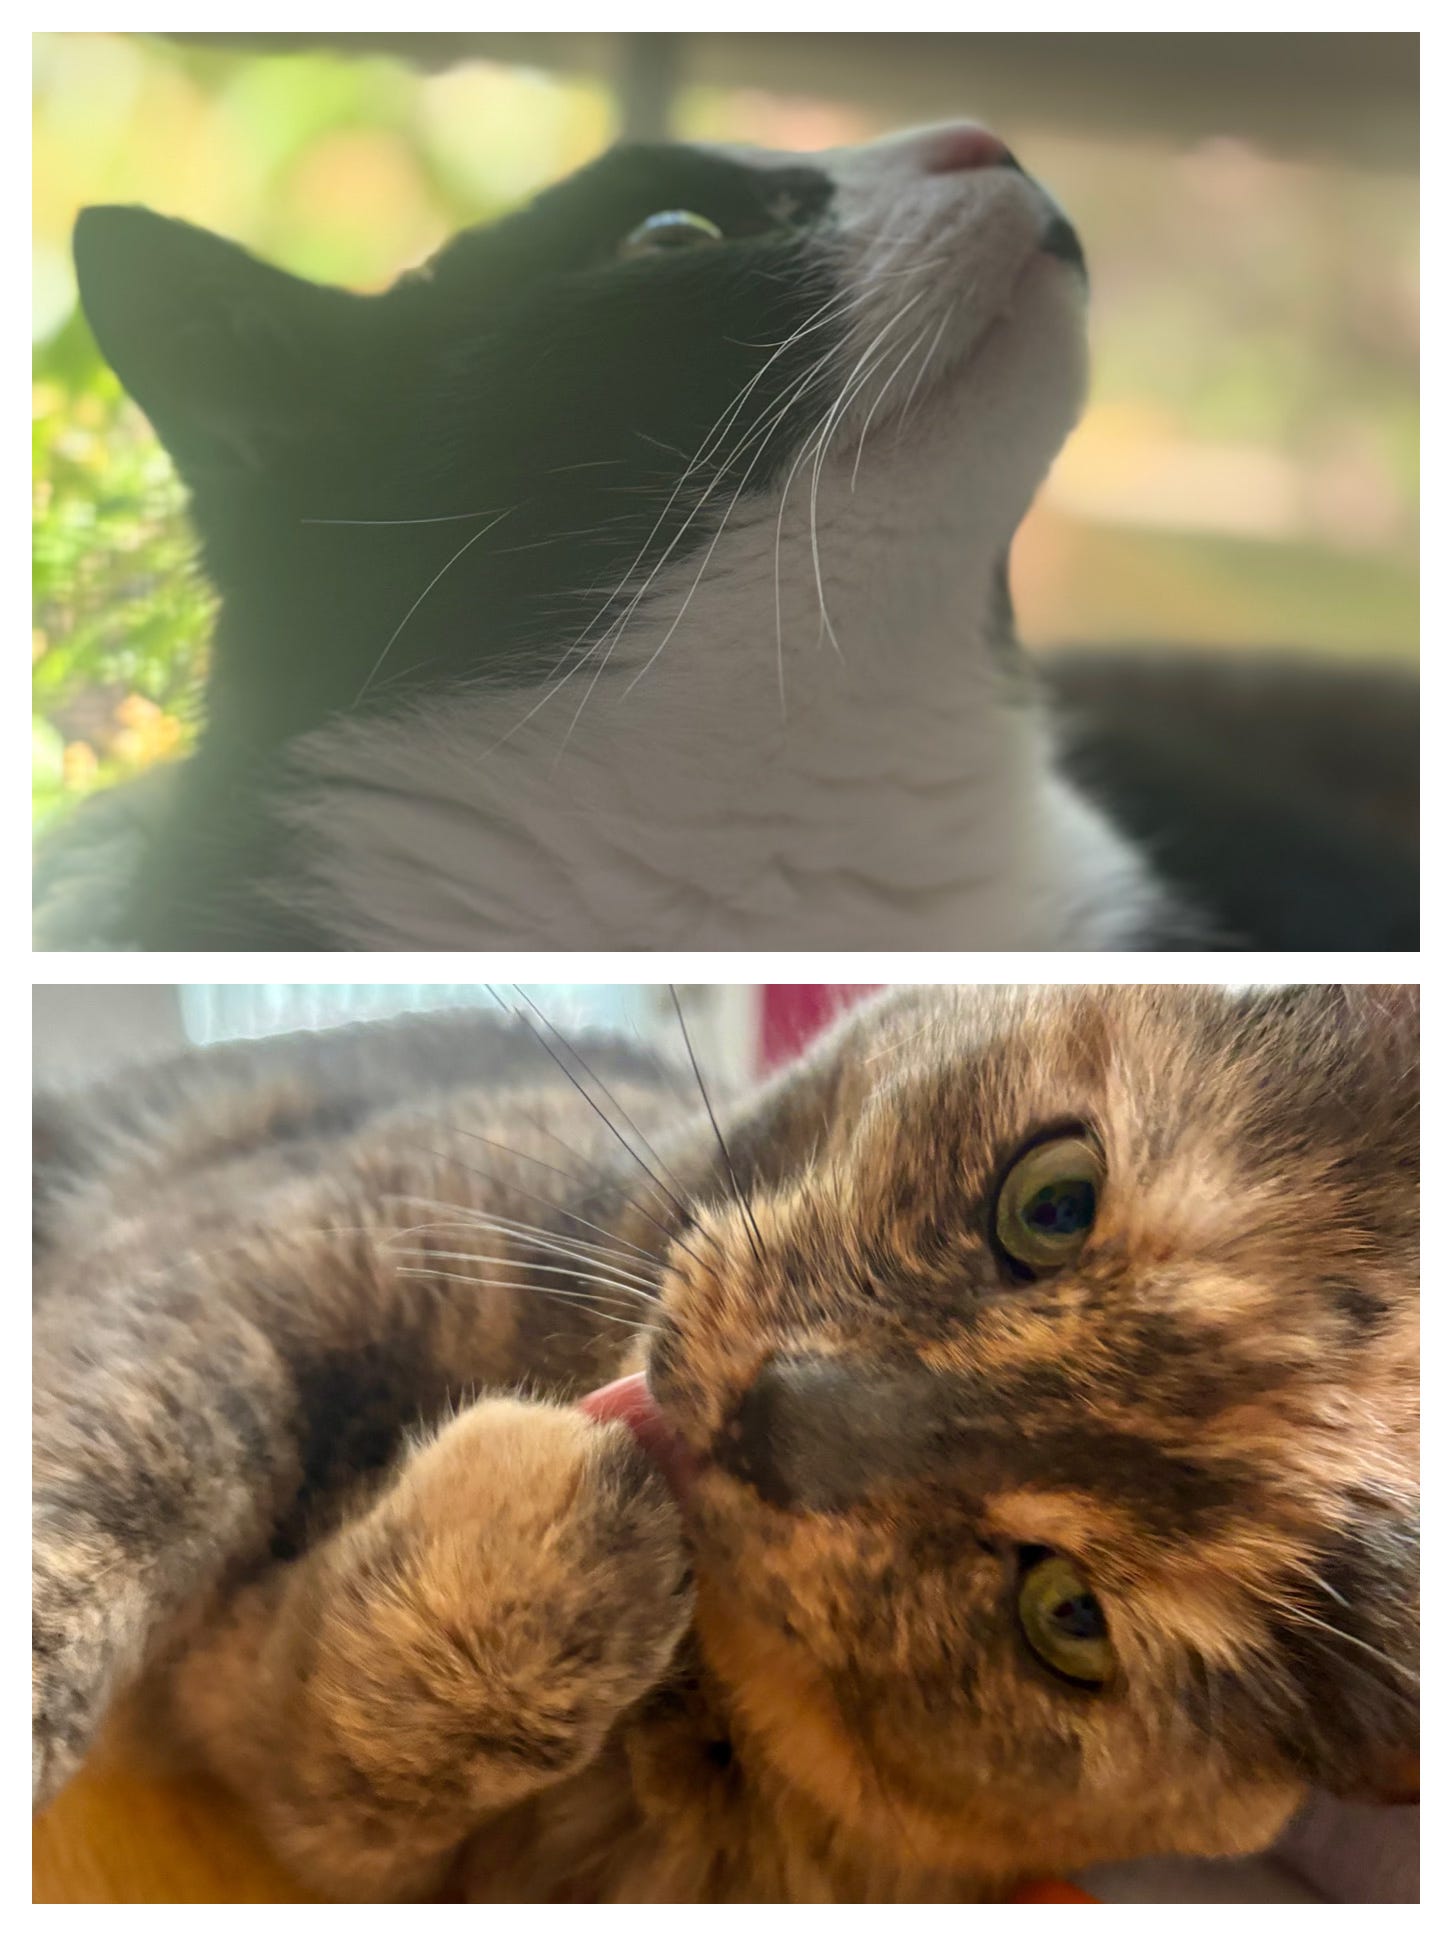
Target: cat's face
x,y
1057,1422
593,398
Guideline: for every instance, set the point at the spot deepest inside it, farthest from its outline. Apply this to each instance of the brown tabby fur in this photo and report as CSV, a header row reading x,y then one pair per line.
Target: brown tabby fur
x,y
449,1643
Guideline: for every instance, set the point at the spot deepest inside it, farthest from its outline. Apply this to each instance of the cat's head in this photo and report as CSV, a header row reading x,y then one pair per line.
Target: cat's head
x,y
1055,1403
579,403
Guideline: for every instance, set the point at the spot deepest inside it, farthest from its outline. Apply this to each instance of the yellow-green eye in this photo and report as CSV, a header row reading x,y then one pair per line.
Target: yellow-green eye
x,y
672,228
1063,1622
1046,1203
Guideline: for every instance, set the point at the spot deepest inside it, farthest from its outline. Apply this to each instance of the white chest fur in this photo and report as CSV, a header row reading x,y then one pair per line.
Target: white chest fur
x,y
890,790
800,736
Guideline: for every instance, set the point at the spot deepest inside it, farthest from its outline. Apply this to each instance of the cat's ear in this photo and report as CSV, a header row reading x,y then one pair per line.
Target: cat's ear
x,y
231,359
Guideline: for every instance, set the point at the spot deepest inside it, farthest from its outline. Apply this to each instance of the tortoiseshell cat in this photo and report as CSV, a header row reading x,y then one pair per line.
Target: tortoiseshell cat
x,y
1026,1475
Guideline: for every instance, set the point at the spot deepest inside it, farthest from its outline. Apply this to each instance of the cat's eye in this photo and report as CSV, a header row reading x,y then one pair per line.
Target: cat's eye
x,y
1046,1203
672,228
1062,1621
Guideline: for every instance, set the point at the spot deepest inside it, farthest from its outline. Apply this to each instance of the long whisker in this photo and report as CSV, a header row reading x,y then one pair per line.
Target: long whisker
x,y
541,1290
614,1101
601,1180
757,1245
819,319
835,416
876,401
780,406
465,1217
710,551
596,1255
448,565
448,517
572,1272
584,1093
923,367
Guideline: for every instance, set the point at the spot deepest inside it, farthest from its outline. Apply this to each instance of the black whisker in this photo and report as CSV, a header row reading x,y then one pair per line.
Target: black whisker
x,y
577,1085
614,1101
745,1208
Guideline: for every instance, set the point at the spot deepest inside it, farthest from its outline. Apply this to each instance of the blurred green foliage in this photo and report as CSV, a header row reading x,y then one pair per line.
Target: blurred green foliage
x,y
120,614
341,169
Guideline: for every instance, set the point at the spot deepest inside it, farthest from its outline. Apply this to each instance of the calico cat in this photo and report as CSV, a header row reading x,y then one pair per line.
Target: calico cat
x,y
992,1449
632,575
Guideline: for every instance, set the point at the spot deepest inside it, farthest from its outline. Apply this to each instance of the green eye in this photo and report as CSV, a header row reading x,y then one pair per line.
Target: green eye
x,y
1063,1622
673,228
1046,1203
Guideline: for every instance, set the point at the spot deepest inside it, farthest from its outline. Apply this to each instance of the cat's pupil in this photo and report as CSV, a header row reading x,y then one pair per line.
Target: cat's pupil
x,y
1061,1209
1079,1616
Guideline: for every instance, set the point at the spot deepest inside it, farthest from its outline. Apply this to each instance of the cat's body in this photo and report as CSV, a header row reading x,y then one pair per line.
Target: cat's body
x,y
580,599
475,1659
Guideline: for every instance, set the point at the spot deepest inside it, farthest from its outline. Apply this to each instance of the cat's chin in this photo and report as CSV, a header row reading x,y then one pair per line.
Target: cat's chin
x,y
996,412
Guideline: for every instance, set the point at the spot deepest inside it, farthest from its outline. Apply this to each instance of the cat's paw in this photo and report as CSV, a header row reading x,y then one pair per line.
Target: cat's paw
x,y
520,1587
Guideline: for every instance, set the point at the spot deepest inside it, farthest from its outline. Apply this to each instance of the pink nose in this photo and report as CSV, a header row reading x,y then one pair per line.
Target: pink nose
x,y
952,150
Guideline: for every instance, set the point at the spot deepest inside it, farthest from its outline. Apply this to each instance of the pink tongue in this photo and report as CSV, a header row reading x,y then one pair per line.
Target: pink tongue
x,y
629,1402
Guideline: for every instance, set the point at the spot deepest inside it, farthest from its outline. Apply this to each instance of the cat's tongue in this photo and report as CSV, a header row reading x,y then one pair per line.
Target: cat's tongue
x,y
629,1402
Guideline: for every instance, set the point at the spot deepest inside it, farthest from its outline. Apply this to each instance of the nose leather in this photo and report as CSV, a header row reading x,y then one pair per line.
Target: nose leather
x,y
817,1434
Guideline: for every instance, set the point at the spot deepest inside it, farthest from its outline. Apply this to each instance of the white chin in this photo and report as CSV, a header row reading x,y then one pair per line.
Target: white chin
x,y
993,422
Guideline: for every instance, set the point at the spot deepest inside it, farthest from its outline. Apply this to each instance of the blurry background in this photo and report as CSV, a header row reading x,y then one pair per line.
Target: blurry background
x,y
85,1031
1247,472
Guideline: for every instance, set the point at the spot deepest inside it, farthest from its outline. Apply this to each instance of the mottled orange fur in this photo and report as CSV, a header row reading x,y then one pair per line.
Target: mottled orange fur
x,y
450,1643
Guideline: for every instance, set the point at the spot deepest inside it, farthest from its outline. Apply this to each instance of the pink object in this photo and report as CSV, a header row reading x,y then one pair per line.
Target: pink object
x,y
630,1402
793,1012
952,150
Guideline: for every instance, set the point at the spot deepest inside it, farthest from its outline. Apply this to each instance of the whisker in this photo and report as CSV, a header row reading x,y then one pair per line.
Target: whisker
x,y
448,565
573,1272
819,319
447,517
540,1290
876,401
923,367
634,1155
480,1220
613,1184
600,1255
756,1239
835,416
720,532
614,1101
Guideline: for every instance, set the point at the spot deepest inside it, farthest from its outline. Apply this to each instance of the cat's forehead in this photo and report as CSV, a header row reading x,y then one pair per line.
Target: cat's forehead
x,y
745,186
1290,1084
743,192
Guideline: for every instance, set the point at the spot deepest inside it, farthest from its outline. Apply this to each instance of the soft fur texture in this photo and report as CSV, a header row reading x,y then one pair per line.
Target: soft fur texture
x,y
577,601
311,1317
572,598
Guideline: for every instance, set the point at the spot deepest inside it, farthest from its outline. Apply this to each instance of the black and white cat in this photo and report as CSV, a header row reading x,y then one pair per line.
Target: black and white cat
x,y
633,575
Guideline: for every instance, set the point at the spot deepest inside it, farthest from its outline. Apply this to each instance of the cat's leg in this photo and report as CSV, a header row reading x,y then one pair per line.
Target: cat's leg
x,y
468,1640
163,1440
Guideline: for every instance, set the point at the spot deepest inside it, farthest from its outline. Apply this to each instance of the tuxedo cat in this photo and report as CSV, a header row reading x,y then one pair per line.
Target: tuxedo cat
x,y
633,575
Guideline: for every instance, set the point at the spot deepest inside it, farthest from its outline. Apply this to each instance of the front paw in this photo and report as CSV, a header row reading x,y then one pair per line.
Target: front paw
x,y
520,1587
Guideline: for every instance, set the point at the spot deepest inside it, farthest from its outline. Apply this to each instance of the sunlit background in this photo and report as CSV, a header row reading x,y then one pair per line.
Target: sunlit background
x,y
1247,472
737,1033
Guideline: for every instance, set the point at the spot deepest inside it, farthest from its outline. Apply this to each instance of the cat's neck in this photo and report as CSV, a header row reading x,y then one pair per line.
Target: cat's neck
x,y
890,784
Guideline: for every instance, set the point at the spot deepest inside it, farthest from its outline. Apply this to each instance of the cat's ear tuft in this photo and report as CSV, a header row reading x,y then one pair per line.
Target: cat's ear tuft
x,y
228,357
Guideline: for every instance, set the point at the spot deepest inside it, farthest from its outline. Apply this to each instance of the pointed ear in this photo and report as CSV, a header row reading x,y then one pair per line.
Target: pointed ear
x,y
229,358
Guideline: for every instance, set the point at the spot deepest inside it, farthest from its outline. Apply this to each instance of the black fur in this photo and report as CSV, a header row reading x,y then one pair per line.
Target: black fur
x,y
528,374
